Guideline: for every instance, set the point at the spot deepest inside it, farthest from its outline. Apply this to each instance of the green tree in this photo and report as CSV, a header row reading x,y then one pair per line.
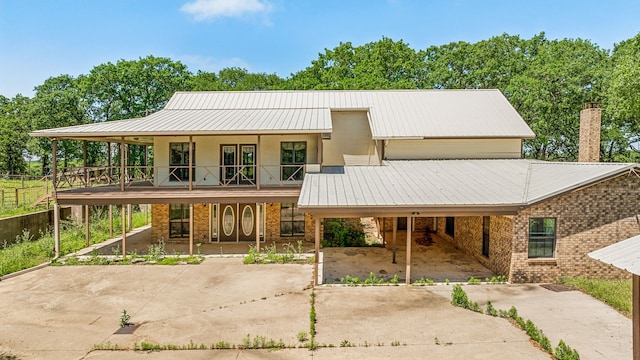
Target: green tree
x,y
13,134
57,103
550,92
235,79
623,99
383,64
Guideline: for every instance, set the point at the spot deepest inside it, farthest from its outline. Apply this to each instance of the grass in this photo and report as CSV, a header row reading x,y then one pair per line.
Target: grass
x,y
616,293
26,253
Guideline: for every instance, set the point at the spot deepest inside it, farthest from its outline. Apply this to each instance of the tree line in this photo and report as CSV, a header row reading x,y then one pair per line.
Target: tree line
x,y
547,81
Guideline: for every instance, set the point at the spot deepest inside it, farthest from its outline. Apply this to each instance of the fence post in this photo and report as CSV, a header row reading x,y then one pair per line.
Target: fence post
x,y
17,198
2,197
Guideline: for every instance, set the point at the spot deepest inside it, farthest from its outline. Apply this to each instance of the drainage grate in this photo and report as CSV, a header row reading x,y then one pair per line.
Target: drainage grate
x,y
557,287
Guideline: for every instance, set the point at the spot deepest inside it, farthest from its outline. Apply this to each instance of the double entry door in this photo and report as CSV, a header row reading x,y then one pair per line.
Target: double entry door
x,y
238,164
236,222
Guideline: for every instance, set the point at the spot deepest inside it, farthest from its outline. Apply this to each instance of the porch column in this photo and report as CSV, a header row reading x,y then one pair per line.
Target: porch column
x,y
257,227
56,206
191,165
130,217
190,227
122,166
408,250
86,224
109,170
636,317
317,252
123,214
395,238
258,168
110,221
320,150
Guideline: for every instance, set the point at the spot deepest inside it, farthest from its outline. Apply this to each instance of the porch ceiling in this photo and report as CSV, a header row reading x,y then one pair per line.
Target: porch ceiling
x,y
111,195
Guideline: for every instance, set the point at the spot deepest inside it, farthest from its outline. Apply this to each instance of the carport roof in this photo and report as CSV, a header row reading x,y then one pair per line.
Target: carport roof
x,y
624,255
449,186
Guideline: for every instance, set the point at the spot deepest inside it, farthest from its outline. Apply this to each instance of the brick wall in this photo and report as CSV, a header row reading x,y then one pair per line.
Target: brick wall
x,y
160,224
468,238
586,220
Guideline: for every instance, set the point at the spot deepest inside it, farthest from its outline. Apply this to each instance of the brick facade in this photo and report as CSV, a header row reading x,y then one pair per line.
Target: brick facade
x,y
586,220
468,238
160,224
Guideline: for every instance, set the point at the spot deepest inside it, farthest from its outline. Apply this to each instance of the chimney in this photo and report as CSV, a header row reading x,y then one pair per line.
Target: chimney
x,y
590,121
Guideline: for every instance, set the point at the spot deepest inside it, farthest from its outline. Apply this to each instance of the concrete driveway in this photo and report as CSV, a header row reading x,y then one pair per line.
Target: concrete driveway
x,y
62,312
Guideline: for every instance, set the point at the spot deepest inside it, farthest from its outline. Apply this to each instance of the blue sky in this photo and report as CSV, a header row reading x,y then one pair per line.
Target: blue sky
x,y
44,38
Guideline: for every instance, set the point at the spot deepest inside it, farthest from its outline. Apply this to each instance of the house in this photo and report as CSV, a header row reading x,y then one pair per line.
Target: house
x,y
256,166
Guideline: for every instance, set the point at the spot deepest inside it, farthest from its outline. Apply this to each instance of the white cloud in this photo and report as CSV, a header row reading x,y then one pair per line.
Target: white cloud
x,y
210,9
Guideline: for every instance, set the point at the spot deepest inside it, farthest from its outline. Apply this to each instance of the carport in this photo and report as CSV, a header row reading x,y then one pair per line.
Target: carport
x,y
411,190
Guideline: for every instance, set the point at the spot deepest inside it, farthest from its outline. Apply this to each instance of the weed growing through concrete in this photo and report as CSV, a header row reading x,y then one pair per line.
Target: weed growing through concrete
x,y
312,322
561,352
459,298
269,255
424,281
124,319
473,281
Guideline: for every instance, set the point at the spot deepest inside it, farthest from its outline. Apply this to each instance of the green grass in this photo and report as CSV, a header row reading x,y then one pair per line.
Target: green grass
x,y
616,293
25,253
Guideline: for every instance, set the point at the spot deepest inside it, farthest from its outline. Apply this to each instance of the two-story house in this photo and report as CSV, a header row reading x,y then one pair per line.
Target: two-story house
x,y
255,166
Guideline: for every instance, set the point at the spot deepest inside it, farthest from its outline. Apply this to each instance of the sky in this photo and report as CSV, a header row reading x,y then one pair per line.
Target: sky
x,y
40,39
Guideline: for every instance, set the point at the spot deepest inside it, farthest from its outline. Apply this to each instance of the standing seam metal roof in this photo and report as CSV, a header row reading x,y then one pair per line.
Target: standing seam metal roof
x,y
392,114
446,183
624,255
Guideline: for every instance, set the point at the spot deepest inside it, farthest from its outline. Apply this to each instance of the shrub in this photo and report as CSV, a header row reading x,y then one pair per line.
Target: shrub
x,y
343,233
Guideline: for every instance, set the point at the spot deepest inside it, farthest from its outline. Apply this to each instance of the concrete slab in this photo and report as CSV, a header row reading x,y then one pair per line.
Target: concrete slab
x,y
62,312
586,324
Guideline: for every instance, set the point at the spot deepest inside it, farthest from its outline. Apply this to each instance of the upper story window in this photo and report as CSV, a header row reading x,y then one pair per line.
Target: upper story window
x,y
542,237
179,161
293,156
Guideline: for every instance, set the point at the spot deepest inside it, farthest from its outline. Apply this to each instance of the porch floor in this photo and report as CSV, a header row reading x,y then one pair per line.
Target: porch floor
x,y
438,262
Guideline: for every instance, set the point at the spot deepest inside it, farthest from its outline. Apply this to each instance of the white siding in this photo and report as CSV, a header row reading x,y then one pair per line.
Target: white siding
x,y
208,155
452,149
351,136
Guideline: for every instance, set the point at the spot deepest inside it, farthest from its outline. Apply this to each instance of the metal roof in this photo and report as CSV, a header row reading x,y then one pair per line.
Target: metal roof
x,y
441,184
205,122
391,113
624,255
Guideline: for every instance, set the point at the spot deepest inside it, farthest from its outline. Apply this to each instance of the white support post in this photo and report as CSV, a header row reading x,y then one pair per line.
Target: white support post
x,y
124,229
56,229
408,250
316,262
191,229
257,227
395,239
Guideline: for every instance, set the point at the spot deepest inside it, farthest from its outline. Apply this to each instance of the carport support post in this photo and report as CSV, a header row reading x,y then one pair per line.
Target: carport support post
x,y
636,317
395,242
408,250
316,260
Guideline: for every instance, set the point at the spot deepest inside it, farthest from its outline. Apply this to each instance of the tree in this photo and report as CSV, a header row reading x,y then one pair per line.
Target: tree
x,y
13,134
234,78
58,102
549,94
384,64
132,88
623,97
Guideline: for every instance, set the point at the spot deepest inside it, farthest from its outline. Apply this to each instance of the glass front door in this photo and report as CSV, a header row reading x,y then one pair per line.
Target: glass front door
x,y
229,162
248,164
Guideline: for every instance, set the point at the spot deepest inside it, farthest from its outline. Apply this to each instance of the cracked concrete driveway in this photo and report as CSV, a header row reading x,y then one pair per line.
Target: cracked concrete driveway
x,y
62,312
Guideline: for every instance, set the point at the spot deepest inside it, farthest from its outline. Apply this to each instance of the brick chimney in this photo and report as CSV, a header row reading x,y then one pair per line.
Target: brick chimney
x,y
590,121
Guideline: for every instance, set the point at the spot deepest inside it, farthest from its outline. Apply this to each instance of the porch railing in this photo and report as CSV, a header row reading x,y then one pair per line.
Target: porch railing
x,y
178,176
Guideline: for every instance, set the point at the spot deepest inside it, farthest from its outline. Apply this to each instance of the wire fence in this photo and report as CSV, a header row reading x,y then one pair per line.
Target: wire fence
x,y
23,191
